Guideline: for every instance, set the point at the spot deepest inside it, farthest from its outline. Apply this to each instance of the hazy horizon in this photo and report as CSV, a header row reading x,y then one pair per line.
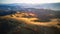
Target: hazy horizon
x,y
28,1
55,4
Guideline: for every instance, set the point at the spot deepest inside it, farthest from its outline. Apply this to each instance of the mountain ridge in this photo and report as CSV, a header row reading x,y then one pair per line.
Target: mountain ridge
x,y
16,6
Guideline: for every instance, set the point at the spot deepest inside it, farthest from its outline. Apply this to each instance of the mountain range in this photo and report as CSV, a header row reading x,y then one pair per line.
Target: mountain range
x,y
41,10
23,6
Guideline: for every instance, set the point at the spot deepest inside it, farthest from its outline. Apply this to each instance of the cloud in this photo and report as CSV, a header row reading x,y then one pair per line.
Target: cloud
x,y
29,1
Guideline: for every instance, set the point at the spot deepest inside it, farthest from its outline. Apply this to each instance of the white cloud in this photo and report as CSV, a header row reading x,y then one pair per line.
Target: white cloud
x,y
30,1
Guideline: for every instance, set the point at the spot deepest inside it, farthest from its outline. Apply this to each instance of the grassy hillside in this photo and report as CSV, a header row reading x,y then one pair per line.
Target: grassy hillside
x,y
23,23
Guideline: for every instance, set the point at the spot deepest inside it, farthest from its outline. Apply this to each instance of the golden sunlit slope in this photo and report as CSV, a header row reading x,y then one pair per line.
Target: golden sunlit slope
x,y
28,18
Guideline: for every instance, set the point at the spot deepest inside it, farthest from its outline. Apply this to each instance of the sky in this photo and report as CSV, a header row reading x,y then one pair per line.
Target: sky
x,y
28,1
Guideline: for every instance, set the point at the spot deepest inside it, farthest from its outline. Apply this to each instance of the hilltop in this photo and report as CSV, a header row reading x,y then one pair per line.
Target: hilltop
x,y
23,22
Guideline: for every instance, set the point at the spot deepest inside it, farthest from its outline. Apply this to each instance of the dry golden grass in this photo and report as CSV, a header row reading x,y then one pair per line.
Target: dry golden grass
x,y
29,21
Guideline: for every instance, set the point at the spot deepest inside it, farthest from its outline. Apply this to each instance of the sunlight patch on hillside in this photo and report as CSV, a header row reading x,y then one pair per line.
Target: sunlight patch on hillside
x,y
30,21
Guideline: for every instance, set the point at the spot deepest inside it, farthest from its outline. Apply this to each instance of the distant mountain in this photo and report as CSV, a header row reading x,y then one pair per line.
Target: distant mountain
x,y
10,7
39,9
22,6
53,6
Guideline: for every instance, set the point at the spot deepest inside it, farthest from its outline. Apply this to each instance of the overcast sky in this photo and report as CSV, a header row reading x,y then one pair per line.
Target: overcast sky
x,y
29,1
